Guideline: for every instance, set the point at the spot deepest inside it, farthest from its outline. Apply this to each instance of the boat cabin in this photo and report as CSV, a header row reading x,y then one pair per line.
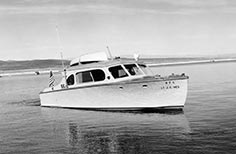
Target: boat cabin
x,y
105,72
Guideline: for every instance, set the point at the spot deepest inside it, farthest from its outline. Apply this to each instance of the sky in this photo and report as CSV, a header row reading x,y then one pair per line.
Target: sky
x,y
148,27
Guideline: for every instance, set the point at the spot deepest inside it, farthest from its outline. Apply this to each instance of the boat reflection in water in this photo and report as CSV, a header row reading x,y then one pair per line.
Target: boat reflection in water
x,y
115,132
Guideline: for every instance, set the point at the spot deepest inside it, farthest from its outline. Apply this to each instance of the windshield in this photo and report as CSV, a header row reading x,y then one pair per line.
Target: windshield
x,y
145,69
133,69
117,72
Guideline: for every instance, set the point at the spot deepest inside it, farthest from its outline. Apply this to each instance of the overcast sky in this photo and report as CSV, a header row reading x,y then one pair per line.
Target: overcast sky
x,y
151,27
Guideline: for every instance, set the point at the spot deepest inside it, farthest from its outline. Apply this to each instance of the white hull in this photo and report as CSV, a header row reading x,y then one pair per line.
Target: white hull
x,y
154,94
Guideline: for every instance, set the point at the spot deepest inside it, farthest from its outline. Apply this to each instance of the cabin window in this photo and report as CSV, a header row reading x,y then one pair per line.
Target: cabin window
x,y
133,69
118,72
90,76
83,77
70,80
98,75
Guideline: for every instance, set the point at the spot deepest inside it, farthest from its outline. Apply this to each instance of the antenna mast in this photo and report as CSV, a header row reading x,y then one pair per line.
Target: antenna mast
x,y
60,46
62,62
109,52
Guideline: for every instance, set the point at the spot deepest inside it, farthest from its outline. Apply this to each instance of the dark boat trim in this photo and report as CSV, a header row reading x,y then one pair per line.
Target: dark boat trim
x,y
166,109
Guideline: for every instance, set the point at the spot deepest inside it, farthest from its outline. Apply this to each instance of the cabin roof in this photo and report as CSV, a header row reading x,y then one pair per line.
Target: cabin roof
x,y
102,64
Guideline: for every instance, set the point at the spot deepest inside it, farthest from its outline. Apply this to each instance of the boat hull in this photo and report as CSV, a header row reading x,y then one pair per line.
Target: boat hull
x,y
165,94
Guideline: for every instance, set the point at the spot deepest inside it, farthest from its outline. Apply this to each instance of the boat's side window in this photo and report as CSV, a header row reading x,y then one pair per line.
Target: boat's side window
x,y
90,76
98,75
83,77
118,72
133,69
70,80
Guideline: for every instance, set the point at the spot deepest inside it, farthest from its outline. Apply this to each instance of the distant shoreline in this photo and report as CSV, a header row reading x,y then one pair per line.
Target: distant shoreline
x,y
162,64
29,72
193,62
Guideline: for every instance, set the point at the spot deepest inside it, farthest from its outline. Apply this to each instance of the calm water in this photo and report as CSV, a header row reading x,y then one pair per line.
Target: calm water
x,y
207,125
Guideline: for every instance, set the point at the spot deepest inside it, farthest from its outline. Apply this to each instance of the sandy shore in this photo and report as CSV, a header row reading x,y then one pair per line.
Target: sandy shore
x,y
192,62
28,72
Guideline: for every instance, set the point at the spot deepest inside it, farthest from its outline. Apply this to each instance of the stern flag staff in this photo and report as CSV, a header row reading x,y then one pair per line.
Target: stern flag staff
x,y
51,80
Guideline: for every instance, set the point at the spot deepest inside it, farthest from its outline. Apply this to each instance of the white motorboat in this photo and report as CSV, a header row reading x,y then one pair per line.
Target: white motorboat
x,y
96,82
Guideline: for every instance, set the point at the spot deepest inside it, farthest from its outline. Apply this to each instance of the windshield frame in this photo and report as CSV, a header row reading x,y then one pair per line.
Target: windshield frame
x,y
145,69
137,72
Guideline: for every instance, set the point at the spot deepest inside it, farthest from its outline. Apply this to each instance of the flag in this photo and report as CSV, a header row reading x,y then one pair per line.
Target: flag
x,y
51,80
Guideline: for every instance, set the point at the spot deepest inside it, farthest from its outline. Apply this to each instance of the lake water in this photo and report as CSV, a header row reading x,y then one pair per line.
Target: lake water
x,y
207,124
